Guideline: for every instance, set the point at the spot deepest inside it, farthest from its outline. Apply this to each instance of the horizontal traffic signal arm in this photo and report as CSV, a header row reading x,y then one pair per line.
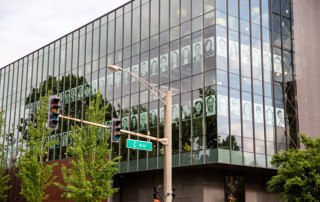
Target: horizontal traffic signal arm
x,y
164,141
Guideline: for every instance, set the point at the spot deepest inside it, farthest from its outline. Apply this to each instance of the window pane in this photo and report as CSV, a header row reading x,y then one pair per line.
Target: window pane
x,y
154,17
145,21
174,13
164,17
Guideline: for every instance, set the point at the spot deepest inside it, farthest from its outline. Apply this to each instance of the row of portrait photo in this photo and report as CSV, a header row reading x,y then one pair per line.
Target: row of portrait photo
x,y
210,109
245,55
71,94
164,63
61,136
247,111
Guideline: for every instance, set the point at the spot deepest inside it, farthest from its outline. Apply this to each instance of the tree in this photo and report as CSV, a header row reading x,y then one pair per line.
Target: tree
x,y
35,176
91,172
298,177
4,179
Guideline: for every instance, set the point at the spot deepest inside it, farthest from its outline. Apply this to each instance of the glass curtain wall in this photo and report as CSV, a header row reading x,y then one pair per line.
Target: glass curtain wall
x,y
228,64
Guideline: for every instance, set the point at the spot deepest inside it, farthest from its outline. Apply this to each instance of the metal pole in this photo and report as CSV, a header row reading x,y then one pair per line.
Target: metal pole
x,y
167,174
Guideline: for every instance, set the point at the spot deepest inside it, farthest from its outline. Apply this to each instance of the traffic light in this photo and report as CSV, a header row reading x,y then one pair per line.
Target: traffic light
x,y
54,111
173,194
158,193
115,129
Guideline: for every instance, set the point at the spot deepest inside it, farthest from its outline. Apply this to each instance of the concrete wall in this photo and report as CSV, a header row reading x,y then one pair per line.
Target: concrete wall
x,y
194,184
307,62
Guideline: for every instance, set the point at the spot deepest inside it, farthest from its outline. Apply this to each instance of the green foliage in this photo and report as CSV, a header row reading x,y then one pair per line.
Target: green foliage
x,y
298,177
34,175
90,177
4,179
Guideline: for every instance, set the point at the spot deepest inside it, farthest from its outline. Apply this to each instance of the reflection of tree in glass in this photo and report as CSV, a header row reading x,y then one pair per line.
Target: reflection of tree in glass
x,y
70,81
224,144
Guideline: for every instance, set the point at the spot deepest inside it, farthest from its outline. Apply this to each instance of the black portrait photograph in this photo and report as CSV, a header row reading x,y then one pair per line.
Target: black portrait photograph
x,y
277,64
269,115
209,47
134,122
144,69
280,117
143,120
153,115
125,123
66,96
246,110
94,87
258,113
87,90
210,105
64,139
197,51
154,66
164,62
267,61
135,70
80,92
73,95
174,59
185,55
197,108
221,46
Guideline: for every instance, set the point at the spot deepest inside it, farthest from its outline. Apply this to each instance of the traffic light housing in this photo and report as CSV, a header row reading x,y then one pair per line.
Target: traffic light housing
x,y
54,111
115,130
173,192
158,193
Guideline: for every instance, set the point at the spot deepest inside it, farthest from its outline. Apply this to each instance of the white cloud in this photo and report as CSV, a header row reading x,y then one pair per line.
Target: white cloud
x,y
28,25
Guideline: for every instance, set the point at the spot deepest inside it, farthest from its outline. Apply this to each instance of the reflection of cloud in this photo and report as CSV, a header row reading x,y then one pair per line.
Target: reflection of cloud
x,y
221,21
29,25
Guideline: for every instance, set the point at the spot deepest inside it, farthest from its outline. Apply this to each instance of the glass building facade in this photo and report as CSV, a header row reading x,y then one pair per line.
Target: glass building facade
x,y
229,64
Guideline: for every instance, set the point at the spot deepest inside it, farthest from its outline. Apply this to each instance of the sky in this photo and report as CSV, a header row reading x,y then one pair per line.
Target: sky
x,y
27,25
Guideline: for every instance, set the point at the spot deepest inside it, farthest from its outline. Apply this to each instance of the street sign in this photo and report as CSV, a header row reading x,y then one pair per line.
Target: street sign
x,y
136,144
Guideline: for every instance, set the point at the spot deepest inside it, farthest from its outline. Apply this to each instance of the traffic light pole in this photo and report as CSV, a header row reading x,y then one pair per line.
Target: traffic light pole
x,y
164,141
167,175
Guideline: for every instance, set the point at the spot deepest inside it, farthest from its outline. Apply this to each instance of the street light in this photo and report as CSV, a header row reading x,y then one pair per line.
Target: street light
x,y
167,101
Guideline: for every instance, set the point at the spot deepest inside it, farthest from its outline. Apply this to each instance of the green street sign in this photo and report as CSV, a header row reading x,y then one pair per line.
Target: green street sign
x,y
136,144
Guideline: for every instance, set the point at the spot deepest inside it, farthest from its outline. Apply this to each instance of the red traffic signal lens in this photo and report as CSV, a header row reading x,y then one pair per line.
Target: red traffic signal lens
x,y
116,123
55,101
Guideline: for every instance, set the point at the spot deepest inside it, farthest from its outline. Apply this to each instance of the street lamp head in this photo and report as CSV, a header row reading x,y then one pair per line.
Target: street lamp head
x,y
114,68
